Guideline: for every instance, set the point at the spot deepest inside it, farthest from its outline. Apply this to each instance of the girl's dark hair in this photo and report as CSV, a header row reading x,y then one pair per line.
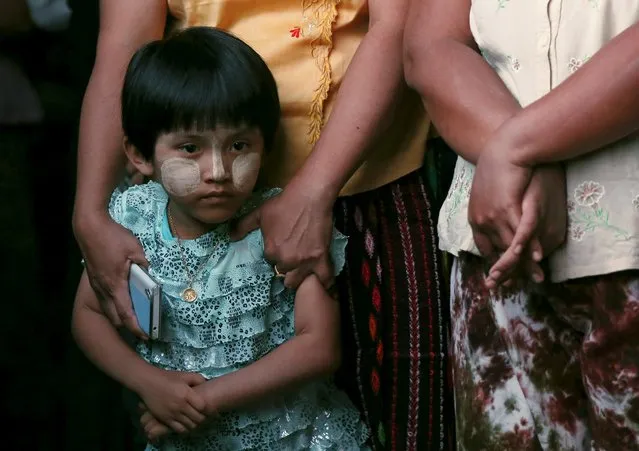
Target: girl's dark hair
x,y
198,78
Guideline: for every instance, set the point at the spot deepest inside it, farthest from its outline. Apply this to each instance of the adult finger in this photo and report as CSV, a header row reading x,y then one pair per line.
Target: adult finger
x,y
137,256
109,310
483,243
293,279
124,307
105,298
245,225
526,229
503,267
534,269
325,272
536,250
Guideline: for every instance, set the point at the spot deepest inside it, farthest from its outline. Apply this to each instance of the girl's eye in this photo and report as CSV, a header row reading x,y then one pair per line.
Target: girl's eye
x,y
239,146
189,148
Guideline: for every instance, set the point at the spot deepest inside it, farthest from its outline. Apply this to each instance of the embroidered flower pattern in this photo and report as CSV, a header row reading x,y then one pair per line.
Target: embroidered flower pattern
x,y
576,232
501,4
575,63
310,28
460,190
589,193
586,215
514,64
635,203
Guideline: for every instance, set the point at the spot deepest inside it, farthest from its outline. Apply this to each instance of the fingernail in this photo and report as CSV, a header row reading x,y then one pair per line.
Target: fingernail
x,y
518,249
537,256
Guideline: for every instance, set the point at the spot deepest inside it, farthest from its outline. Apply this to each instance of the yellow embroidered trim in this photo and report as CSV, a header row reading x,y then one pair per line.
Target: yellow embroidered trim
x,y
319,16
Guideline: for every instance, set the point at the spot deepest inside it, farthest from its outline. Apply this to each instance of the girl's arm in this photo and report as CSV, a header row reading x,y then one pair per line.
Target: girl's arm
x,y
313,353
125,26
102,344
167,394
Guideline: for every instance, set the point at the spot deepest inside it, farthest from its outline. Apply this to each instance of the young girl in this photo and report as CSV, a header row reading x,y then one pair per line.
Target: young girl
x,y
242,362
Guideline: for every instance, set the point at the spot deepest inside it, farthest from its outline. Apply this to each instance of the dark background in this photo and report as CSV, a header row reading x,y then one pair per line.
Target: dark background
x,y
52,399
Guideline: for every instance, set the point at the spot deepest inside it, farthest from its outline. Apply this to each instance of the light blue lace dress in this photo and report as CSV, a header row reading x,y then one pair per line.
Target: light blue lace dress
x,y
241,314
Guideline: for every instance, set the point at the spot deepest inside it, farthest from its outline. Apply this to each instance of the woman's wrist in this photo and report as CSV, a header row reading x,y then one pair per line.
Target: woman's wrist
x,y
86,218
318,192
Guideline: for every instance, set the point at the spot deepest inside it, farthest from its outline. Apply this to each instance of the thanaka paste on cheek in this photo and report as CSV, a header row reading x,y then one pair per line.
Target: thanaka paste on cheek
x,y
180,176
246,168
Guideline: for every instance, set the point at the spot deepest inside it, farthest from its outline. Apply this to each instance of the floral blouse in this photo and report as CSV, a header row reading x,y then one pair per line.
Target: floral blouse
x,y
534,46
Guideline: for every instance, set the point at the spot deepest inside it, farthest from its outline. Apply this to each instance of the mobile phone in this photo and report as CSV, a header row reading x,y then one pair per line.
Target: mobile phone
x,y
146,295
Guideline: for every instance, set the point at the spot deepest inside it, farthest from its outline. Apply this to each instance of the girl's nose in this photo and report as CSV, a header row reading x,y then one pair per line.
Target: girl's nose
x,y
215,170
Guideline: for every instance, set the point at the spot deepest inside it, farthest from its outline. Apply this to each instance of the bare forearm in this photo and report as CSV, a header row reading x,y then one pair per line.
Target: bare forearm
x,y
595,107
463,95
102,344
124,27
298,361
362,110
100,156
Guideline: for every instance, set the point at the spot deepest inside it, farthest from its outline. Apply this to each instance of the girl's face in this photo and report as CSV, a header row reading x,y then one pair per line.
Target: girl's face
x,y
209,174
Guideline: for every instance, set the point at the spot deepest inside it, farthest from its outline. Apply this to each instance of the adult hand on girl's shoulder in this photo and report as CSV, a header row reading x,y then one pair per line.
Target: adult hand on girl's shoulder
x,y
542,228
498,188
108,250
297,229
170,398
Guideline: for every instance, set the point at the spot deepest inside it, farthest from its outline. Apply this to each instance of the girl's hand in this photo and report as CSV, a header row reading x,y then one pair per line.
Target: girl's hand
x,y
108,250
544,218
153,429
170,398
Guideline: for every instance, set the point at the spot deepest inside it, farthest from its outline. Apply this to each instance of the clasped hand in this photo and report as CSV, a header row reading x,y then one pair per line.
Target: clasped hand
x,y
517,212
171,401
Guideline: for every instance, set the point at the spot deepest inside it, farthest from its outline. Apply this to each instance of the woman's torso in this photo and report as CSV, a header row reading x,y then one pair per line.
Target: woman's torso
x,y
534,46
308,46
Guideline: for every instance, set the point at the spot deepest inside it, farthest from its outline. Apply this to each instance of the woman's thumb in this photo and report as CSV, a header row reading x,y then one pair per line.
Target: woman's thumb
x,y
136,255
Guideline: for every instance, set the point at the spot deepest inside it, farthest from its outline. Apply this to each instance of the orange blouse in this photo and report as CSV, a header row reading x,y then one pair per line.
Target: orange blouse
x,y
308,45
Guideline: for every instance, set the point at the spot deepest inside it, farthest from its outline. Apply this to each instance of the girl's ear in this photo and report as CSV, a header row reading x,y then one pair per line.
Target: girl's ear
x,y
144,166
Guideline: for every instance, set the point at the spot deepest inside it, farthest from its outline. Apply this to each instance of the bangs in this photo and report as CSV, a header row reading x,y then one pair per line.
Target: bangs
x,y
191,83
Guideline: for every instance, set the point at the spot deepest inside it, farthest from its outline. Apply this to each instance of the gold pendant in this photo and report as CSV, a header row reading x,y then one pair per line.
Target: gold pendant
x,y
189,295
